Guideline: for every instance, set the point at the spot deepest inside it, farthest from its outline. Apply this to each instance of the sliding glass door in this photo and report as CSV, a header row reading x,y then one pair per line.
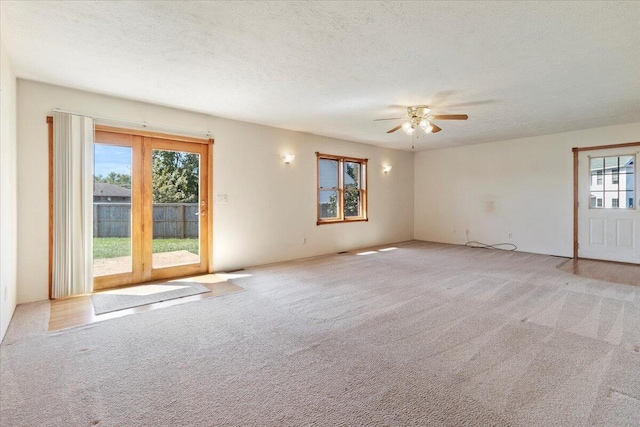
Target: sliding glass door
x,y
150,208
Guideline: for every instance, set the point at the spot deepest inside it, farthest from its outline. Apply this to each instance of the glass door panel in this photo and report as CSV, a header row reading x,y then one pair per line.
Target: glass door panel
x,y
112,196
150,208
176,208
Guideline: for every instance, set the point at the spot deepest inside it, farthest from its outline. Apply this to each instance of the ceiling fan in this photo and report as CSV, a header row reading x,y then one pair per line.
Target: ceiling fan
x,y
418,117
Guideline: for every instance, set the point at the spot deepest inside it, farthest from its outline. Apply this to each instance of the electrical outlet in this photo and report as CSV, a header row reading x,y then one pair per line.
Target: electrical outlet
x,y
467,231
454,231
510,235
304,240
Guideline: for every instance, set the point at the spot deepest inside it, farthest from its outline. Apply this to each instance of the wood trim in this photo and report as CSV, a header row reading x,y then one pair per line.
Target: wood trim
x,y
340,221
211,201
150,134
365,192
122,139
146,248
607,147
575,203
335,157
137,166
341,182
576,196
50,144
135,275
179,270
112,281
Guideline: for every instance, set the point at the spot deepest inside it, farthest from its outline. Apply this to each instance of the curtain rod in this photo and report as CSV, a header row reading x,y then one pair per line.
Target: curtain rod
x,y
143,124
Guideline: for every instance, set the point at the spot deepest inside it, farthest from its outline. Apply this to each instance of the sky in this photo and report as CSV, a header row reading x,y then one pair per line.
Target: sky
x,y
111,158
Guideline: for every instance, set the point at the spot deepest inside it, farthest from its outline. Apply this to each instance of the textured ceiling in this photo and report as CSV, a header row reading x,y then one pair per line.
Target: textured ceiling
x,y
516,68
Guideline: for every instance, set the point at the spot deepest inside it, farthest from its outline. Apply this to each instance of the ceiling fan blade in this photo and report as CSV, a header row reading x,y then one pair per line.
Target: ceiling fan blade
x,y
436,128
393,118
394,129
450,117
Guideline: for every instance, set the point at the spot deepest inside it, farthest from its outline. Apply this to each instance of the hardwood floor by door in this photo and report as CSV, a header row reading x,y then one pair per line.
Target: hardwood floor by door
x,y
78,310
615,272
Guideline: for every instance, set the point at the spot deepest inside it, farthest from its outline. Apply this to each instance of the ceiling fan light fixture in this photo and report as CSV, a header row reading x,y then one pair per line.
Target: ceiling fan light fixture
x,y
418,116
426,126
408,127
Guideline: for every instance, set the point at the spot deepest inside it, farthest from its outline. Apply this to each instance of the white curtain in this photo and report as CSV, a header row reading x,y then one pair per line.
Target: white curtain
x,y
72,204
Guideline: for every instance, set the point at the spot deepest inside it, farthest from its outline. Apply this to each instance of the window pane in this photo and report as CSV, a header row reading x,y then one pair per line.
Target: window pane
x,y
176,218
609,197
596,165
328,173
610,165
626,199
626,163
328,204
615,175
111,210
627,182
352,175
596,180
352,204
611,183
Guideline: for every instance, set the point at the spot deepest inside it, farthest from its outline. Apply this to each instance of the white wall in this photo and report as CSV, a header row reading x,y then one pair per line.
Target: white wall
x,y
8,189
271,208
523,186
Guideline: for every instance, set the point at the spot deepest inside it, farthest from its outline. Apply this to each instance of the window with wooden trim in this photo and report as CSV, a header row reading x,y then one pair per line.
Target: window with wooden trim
x,y
342,189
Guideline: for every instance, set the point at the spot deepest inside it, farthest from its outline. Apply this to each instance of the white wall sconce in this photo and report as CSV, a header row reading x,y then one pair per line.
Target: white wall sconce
x,y
288,158
386,169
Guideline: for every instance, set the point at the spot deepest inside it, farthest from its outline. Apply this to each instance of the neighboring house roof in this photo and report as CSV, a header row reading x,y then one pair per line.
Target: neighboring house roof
x,y
611,162
102,189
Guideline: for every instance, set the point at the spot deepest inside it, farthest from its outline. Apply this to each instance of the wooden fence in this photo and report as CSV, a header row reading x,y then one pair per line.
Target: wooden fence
x,y
170,220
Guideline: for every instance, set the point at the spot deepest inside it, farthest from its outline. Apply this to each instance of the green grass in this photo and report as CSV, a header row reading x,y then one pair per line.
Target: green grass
x,y
111,247
171,245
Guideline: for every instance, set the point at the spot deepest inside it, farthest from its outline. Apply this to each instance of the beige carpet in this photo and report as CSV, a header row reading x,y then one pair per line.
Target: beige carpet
x,y
426,334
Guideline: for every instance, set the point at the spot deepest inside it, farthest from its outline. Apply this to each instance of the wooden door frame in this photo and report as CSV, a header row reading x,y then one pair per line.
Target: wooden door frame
x,y
153,143
141,134
576,196
135,143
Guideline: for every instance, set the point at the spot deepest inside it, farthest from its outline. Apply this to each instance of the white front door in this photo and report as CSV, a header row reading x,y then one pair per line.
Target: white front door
x,y
608,209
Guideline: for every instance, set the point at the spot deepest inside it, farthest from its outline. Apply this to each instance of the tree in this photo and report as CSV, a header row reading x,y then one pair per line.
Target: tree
x,y
351,193
119,179
175,177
